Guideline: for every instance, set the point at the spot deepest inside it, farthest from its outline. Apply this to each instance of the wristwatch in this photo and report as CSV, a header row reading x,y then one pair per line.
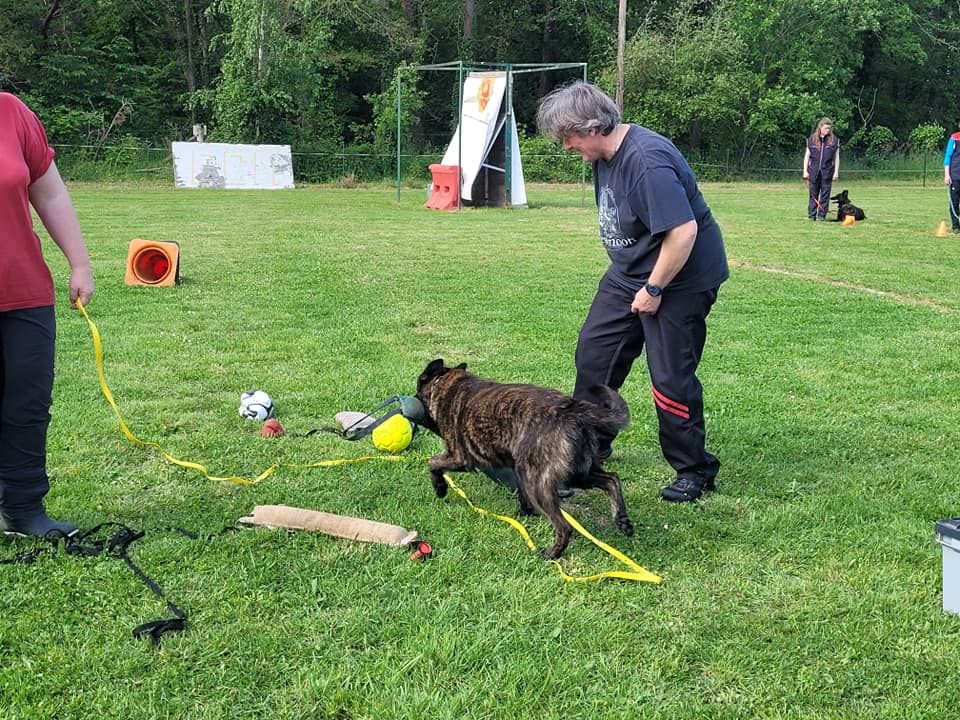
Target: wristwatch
x,y
653,290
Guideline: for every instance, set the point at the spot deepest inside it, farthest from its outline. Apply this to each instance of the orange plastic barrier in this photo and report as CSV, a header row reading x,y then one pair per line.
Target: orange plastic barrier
x,y
446,187
153,263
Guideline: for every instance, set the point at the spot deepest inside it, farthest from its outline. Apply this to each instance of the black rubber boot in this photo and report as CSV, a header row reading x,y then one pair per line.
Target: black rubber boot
x,y
22,511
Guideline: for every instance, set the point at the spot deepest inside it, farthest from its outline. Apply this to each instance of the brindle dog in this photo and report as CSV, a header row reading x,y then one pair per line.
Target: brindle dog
x,y
548,438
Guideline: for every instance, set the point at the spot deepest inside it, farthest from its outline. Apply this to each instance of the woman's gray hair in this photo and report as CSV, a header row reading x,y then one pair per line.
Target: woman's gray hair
x,y
577,107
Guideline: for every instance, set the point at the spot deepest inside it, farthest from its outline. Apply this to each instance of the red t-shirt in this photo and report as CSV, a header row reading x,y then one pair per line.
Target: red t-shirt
x,y
25,156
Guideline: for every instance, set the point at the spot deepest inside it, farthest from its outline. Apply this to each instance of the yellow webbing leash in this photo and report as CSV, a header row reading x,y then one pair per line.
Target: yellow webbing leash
x,y
98,357
637,572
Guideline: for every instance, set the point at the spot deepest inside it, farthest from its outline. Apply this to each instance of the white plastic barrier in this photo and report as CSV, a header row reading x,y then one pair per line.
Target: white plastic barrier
x,y
224,165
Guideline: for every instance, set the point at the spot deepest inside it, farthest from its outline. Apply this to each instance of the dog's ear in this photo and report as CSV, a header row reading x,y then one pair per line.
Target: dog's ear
x,y
461,366
432,370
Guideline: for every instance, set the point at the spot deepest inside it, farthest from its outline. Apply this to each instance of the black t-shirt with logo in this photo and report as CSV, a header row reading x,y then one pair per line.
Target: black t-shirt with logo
x,y
645,190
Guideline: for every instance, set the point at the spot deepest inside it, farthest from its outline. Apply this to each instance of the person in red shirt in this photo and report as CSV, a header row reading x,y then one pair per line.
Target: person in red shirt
x,y
29,176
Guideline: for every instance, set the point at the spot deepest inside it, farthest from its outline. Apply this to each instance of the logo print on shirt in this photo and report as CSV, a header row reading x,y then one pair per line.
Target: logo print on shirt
x,y
610,233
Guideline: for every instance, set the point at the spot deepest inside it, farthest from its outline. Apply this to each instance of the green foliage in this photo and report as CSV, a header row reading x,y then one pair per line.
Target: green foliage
x,y
726,79
384,106
925,138
880,142
272,86
545,161
755,76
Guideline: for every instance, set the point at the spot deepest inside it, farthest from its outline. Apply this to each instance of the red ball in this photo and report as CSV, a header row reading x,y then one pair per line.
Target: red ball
x,y
271,428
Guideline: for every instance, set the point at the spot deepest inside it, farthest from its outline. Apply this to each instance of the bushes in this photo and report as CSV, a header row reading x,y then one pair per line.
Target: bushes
x,y
544,161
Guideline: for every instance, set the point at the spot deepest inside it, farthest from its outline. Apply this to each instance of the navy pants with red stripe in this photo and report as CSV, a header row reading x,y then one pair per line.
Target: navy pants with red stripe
x,y
612,337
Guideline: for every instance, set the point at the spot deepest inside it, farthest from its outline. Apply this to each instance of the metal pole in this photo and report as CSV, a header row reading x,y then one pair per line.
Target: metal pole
x,y
459,130
508,141
398,135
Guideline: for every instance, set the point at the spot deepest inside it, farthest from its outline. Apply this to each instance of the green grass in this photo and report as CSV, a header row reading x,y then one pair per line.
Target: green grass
x,y
808,586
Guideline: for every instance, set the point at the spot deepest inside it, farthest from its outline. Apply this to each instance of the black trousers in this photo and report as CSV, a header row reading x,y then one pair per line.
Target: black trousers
x,y
27,340
955,205
611,339
819,202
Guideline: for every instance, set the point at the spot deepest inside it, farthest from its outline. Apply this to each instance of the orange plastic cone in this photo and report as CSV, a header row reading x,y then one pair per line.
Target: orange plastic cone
x,y
942,230
153,263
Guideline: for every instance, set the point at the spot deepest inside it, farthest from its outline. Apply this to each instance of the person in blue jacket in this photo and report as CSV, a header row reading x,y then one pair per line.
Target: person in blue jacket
x,y
951,177
821,165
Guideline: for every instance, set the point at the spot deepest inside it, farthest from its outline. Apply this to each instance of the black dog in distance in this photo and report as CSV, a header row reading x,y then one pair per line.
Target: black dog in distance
x,y
845,207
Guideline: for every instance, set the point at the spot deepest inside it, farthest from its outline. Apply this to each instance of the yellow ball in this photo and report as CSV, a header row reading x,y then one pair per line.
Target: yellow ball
x,y
393,435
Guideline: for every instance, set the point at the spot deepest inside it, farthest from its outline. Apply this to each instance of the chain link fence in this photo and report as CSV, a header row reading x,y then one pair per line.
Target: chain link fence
x,y
130,161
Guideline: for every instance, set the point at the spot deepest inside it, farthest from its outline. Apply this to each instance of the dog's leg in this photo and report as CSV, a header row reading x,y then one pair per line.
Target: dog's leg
x,y
541,491
524,506
609,482
439,464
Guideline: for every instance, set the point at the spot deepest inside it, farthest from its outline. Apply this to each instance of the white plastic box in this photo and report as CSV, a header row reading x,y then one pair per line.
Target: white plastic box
x,y
948,535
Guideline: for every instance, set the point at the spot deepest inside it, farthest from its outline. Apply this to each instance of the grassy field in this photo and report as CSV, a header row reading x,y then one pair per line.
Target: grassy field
x,y
807,587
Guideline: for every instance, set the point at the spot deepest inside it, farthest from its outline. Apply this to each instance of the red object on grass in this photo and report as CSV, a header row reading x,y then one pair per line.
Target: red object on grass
x,y
272,428
421,550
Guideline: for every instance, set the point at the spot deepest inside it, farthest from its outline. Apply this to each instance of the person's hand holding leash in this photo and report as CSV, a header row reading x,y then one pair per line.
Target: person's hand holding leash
x,y
81,285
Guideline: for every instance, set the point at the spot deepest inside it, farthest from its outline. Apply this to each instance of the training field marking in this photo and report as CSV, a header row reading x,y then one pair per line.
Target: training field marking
x,y
813,277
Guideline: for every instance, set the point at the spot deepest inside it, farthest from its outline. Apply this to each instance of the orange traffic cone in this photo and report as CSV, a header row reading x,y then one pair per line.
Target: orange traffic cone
x,y
153,263
942,231
849,220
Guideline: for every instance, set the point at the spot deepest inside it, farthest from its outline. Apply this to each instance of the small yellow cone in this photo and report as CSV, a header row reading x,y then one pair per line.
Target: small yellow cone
x,y
942,230
849,220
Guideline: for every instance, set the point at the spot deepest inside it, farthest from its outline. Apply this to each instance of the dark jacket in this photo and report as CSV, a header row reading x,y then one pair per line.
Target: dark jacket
x,y
823,158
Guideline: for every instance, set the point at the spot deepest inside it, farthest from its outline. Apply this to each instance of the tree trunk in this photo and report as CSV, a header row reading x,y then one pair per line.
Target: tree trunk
x,y
469,16
203,43
189,69
546,48
410,13
621,41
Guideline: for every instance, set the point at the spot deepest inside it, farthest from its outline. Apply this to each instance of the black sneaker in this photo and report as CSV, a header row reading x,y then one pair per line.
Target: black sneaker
x,y
687,489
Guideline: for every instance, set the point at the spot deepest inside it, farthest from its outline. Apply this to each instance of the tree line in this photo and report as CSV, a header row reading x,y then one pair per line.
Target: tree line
x,y
737,81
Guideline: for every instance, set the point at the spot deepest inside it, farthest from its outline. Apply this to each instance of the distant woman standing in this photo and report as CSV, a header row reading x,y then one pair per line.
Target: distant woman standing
x,y
821,165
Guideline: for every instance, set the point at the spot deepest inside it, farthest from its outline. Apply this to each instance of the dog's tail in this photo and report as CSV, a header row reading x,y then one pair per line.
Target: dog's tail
x,y
610,410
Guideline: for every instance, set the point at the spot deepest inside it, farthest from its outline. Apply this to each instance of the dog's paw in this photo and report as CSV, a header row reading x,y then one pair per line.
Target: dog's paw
x,y
625,525
551,553
440,486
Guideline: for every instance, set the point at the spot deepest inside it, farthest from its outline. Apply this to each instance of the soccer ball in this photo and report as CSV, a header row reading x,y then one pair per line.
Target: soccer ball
x,y
256,405
392,435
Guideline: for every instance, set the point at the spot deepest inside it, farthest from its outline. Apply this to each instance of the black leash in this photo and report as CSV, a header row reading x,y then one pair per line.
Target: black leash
x,y
92,543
